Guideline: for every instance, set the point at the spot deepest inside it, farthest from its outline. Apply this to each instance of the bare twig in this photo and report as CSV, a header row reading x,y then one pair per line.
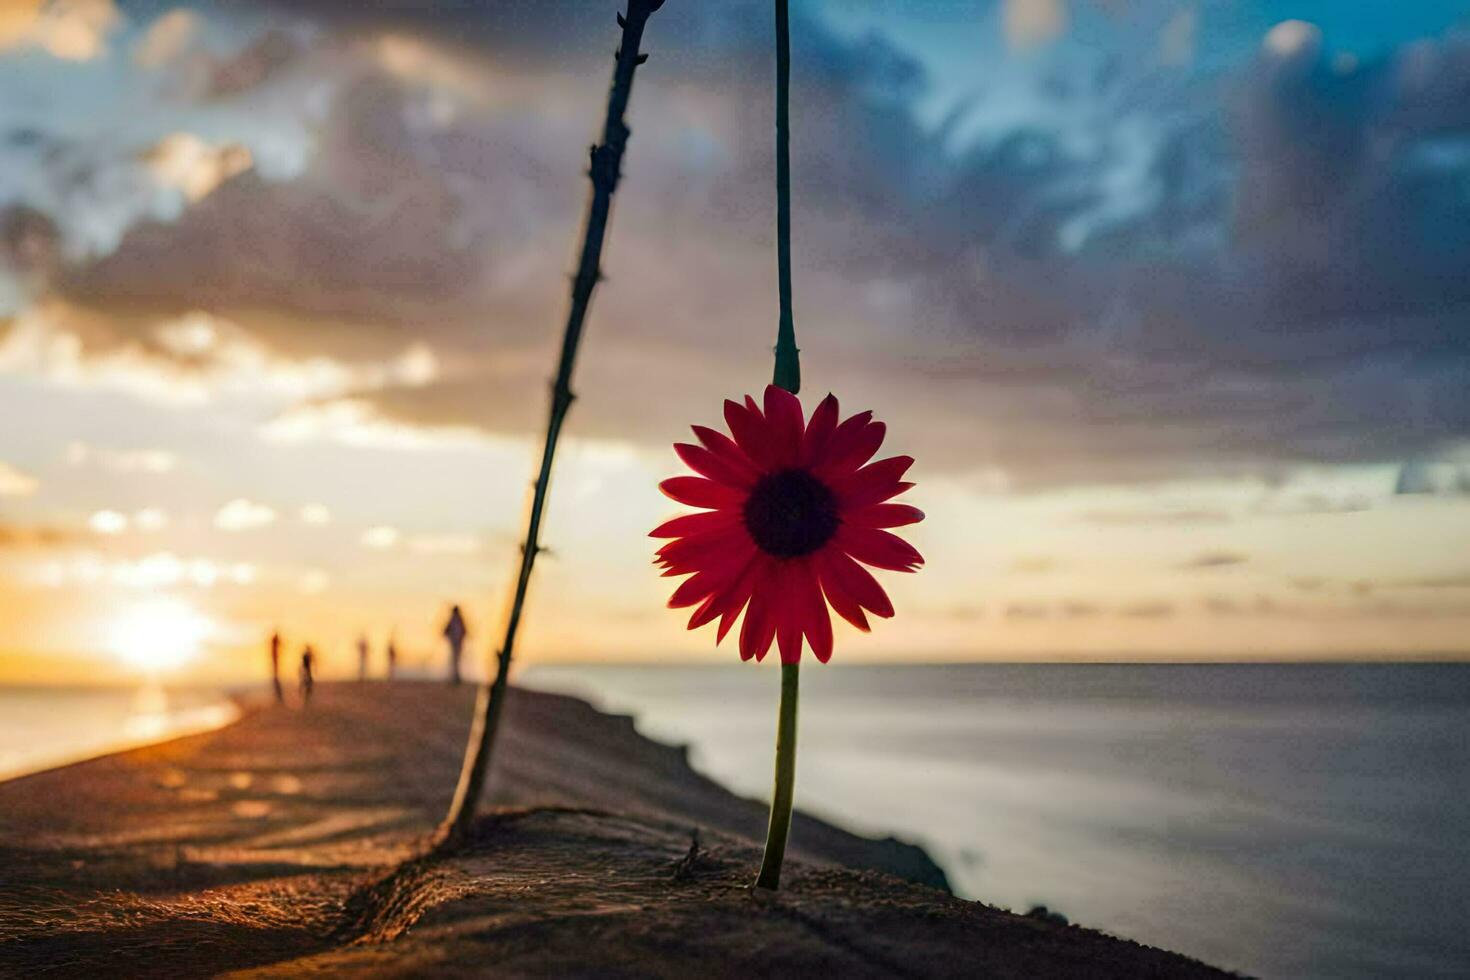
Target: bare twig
x,y
604,170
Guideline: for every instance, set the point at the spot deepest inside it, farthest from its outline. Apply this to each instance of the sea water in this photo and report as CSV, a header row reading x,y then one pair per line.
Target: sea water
x,y
43,727
1282,820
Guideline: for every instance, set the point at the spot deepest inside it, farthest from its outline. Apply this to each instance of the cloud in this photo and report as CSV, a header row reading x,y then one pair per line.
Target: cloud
x,y
23,536
1025,611
444,544
108,522
1436,582
73,30
1137,517
1443,477
313,582
1151,609
1179,38
1144,276
166,38
188,164
1293,40
1032,22
121,460
158,570
381,538
1313,503
1214,559
315,514
15,483
243,515
30,242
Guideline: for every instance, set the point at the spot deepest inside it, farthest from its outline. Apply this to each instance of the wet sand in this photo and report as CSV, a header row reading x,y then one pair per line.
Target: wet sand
x,y
291,843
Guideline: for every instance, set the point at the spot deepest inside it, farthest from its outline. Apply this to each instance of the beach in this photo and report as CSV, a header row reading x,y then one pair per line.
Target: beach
x,y
296,841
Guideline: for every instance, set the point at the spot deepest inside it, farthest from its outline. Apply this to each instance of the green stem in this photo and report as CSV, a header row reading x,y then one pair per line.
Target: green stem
x,y
788,359
606,167
788,376
784,793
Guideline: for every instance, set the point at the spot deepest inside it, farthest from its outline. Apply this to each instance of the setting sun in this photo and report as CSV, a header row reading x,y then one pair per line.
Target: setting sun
x,y
159,634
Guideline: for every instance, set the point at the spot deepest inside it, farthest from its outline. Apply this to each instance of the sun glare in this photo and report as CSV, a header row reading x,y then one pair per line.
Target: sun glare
x,y
159,634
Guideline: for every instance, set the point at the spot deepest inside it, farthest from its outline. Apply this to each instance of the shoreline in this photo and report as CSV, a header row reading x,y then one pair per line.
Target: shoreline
x,y
294,840
228,709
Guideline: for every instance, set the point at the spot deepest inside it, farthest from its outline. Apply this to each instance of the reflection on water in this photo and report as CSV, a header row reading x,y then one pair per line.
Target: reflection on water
x,y
42,727
1303,821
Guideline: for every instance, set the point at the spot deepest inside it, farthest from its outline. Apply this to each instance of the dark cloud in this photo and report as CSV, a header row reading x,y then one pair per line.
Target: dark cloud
x,y
30,243
1437,582
1444,477
1214,559
1024,611
1289,282
1151,609
1078,609
1312,503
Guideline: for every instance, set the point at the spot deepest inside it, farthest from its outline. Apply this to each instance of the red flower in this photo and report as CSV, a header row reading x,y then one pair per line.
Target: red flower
x,y
790,511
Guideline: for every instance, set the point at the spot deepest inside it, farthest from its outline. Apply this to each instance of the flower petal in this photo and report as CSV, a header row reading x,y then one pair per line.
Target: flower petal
x,y
732,597
758,630
706,612
881,549
883,515
859,583
715,548
732,613
725,448
748,427
784,425
816,623
852,444
692,590
842,601
696,491
819,430
788,613
872,484
705,582
688,524
706,463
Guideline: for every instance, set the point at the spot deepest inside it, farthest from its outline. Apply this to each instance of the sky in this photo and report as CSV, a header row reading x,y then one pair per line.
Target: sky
x,y
1170,300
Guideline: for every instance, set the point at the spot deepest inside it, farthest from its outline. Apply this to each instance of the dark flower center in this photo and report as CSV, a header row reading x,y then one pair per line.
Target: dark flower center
x,y
791,513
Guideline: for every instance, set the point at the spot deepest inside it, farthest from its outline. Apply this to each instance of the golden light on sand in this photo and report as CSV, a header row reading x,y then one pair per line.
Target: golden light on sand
x,y
159,634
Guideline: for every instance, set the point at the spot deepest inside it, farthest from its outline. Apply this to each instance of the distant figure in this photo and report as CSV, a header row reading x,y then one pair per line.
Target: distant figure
x,y
362,657
308,673
392,656
276,667
455,632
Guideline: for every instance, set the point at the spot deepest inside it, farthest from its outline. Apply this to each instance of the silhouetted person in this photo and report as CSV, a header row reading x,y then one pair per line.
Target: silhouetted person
x,y
455,632
392,656
362,657
276,667
308,673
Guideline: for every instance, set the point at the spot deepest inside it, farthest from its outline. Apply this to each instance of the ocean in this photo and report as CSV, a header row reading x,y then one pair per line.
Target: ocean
x,y
1279,820
44,727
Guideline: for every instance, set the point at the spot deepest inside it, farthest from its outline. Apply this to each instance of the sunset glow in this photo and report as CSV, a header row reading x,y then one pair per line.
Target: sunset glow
x,y
281,334
159,635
